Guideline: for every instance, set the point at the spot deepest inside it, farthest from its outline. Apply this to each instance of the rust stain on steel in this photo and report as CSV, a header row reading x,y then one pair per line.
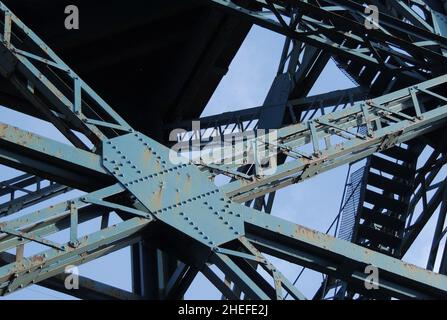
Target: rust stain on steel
x,y
177,196
37,259
158,197
147,155
411,267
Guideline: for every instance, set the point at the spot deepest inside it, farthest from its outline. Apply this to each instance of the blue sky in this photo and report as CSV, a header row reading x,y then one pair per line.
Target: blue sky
x,y
313,203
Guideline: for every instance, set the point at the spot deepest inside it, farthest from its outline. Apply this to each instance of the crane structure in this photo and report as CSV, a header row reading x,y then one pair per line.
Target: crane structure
x,y
173,215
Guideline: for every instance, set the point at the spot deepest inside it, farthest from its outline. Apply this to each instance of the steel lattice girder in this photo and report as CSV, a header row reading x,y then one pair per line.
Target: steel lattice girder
x,y
387,126
201,212
219,127
324,26
42,191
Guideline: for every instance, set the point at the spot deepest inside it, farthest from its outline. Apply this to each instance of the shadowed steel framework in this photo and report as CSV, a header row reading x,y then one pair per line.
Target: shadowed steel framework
x,y
174,217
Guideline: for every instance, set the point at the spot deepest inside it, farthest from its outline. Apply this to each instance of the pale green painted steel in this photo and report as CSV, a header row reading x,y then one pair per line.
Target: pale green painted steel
x,y
181,197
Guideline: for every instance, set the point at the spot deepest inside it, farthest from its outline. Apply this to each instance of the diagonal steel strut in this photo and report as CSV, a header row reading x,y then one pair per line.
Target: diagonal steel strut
x,y
177,197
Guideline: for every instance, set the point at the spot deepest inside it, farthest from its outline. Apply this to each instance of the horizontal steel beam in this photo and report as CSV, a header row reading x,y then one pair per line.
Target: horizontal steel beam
x,y
222,126
50,159
25,191
342,259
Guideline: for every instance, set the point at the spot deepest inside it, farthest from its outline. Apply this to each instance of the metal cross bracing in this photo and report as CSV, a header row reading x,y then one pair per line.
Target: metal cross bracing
x,y
373,224
178,209
364,75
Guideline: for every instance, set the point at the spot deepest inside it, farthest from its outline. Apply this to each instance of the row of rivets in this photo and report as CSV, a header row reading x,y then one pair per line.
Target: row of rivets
x,y
154,175
196,228
184,202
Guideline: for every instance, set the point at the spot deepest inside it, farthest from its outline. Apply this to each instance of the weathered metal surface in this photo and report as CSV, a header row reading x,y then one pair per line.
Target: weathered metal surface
x,y
179,195
176,205
200,30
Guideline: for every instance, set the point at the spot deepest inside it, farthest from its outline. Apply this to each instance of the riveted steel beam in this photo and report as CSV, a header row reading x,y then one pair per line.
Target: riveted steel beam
x,y
53,160
340,258
88,288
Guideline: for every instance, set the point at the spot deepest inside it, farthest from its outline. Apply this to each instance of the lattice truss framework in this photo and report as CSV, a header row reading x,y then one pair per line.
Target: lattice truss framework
x,y
399,101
